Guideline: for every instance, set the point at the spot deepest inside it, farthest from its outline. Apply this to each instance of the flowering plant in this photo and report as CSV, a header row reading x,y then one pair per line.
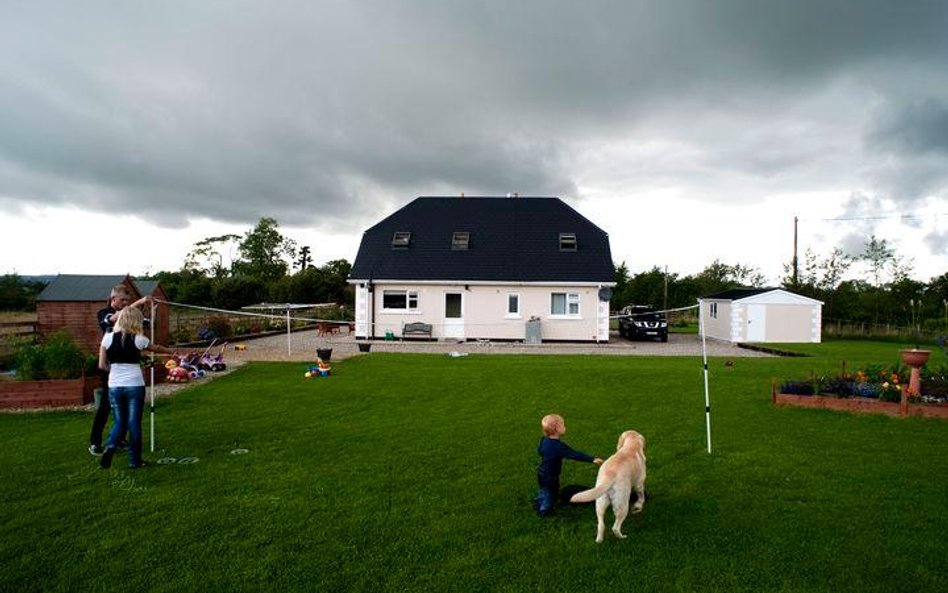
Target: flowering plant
x,y
875,381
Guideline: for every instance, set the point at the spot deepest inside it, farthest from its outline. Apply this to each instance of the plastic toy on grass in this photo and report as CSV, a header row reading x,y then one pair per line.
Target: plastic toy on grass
x,y
178,375
320,369
209,362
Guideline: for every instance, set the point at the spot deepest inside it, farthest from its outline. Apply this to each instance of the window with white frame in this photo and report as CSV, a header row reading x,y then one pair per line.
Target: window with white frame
x,y
564,304
399,300
513,304
713,310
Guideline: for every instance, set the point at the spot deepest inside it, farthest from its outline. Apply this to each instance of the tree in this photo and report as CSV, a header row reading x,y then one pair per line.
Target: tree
x,y
18,294
819,277
264,252
719,276
207,257
305,261
238,291
883,262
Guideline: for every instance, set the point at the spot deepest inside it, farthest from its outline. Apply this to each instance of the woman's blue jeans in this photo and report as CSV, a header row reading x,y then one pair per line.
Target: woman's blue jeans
x,y
127,406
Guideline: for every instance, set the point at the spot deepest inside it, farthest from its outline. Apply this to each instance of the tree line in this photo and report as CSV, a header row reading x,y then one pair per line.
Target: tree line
x,y
262,265
872,287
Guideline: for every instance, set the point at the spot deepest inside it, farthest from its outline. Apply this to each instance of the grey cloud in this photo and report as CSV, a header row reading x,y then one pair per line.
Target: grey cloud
x,y
920,127
937,241
326,112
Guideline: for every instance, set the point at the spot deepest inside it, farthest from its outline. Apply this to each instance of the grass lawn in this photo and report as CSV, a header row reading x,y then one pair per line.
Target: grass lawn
x,y
416,473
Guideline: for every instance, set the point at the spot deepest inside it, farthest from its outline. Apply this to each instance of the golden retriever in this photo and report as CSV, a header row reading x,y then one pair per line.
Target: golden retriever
x,y
617,476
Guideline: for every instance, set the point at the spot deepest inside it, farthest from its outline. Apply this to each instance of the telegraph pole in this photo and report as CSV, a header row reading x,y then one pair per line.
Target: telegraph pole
x,y
795,220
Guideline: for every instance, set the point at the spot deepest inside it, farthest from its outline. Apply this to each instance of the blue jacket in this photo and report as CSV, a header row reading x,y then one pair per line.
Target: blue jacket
x,y
553,451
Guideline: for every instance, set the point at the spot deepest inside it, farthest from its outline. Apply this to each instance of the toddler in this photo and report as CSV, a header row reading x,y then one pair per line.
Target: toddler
x,y
553,451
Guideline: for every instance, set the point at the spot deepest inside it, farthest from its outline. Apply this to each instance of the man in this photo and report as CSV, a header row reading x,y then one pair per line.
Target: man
x,y
118,300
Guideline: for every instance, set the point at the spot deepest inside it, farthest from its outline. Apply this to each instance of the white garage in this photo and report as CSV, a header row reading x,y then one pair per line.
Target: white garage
x,y
762,315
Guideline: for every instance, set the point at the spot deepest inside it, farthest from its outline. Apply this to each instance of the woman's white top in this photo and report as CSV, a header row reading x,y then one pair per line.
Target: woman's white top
x,y
122,374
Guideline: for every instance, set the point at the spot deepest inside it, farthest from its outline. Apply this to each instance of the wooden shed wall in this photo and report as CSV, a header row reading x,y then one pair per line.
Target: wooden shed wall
x,y
78,319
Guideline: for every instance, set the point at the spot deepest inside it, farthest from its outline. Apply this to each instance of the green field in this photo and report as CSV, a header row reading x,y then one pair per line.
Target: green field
x,y
416,473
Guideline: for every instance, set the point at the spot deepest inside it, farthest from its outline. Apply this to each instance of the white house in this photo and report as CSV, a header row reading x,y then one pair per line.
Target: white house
x,y
484,268
762,315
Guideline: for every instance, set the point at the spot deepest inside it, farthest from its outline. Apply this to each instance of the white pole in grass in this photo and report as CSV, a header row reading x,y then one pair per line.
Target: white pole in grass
x,y
289,349
704,354
154,309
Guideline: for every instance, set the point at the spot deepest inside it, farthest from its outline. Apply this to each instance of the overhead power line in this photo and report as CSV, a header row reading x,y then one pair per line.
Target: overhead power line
x,y
885,217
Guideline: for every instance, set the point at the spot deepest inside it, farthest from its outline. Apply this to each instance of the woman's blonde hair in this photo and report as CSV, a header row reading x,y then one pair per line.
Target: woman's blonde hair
x,y
130,321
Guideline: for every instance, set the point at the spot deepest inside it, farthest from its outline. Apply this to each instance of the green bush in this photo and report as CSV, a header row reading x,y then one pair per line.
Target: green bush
x,y
58,358
29,363
219,327
62,358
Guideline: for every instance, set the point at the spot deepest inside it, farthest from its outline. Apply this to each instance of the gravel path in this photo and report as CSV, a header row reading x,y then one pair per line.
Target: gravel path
x,y
303,345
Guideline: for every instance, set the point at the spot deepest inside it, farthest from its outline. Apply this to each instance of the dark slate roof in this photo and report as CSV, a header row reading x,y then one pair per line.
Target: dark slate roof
x,y
82,288
511,239
147,286
737,293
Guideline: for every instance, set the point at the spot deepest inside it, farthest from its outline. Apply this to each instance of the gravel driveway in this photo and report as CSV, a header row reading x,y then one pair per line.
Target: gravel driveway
x,y
303,345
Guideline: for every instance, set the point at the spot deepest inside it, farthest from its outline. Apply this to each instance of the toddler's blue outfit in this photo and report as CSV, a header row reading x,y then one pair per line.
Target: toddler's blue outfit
x,y
553,451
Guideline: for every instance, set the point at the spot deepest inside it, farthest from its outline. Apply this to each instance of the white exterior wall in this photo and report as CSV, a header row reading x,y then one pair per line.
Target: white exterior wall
x,y
737,322
794,323
718,327
786,318
484,310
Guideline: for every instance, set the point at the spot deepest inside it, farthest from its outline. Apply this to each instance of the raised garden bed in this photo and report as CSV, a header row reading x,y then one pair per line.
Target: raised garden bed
x,y
861,405
58,393
47,393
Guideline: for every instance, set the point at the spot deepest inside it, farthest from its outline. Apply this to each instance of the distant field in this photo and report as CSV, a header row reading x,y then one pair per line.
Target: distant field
x,y
17,316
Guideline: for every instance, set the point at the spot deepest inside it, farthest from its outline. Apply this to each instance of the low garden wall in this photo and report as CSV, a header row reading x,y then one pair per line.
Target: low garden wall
x,y
47,393
861,405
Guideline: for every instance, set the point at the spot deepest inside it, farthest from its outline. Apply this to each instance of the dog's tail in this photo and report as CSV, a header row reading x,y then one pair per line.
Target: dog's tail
x,y
593,493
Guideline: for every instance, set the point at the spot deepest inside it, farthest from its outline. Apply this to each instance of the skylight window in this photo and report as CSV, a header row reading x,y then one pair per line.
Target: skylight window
x,y
568,242
460,241
401,240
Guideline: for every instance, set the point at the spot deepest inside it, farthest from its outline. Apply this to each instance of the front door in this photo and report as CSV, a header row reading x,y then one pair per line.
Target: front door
x,y
756,323
454,315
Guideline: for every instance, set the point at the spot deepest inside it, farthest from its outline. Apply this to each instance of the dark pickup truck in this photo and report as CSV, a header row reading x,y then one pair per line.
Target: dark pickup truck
x,y
642,322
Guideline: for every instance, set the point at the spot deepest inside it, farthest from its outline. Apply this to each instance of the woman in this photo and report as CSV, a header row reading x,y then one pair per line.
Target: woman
x,y
120,355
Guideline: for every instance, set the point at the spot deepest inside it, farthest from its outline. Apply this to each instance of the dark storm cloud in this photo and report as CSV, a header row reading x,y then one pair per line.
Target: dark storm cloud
x,y
237,110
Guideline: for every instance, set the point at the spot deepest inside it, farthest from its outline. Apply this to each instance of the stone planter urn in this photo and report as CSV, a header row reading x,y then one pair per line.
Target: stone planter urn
x,y
916,359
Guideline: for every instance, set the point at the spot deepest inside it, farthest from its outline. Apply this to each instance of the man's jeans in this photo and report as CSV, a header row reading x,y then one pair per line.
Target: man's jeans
x,y
127,406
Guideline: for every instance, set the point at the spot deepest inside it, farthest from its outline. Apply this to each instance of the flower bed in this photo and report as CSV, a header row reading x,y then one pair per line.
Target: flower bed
x,y
874,389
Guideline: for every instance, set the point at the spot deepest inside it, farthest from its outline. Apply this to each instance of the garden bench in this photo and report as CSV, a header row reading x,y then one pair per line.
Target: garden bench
x,y
417,328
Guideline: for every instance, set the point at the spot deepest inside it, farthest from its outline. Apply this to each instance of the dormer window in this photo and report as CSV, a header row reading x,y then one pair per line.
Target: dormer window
x,y
460,240
567,241
401,240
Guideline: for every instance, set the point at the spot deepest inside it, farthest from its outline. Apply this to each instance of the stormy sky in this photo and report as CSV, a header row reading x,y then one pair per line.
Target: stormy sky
x,y
688,130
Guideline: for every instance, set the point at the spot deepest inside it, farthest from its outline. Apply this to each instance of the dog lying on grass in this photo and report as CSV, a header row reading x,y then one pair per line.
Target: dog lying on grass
x,y
617,476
